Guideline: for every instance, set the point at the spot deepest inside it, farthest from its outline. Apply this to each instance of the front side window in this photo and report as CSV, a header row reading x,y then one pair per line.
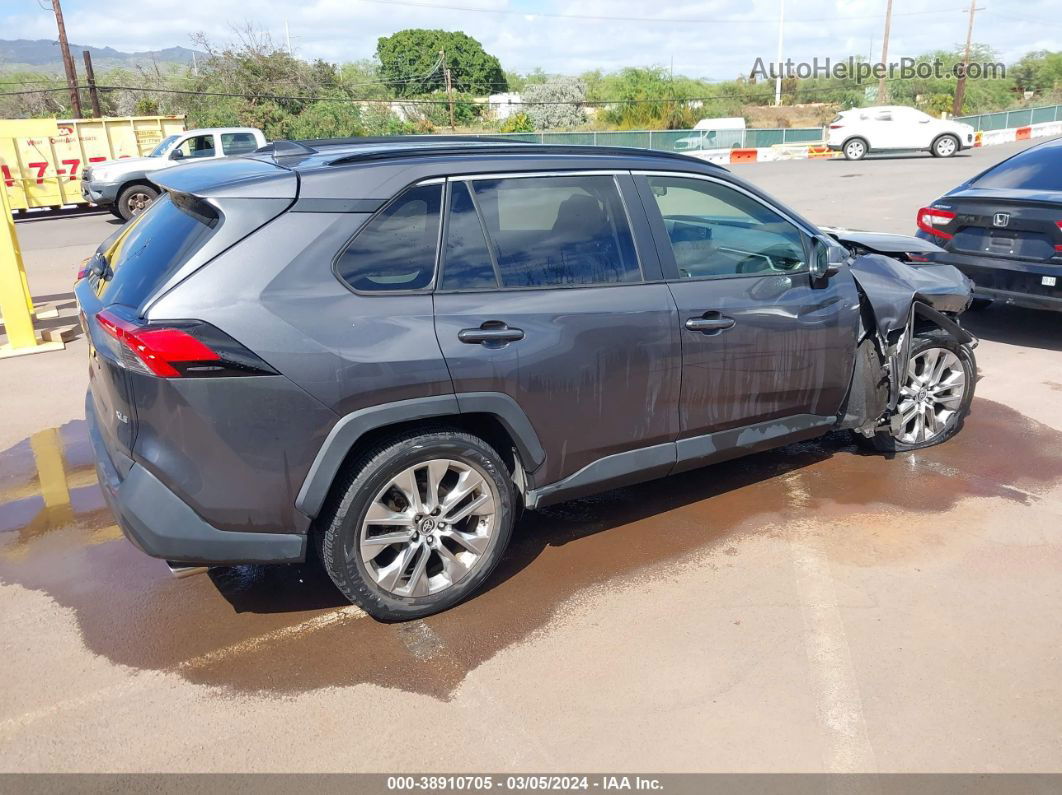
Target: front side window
x,y
197,146
556,231
717,231
395,250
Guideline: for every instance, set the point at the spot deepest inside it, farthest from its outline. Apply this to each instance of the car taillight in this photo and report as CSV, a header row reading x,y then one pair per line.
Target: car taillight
x,y
182,349
836,126
929,218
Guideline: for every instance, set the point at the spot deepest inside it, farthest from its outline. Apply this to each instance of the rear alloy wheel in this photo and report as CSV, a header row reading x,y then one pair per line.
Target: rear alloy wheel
x,y
421,526
935,396
856,149
945,146
135,199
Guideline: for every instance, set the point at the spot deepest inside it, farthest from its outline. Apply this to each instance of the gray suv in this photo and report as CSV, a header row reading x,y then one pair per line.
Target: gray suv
x,y
382,350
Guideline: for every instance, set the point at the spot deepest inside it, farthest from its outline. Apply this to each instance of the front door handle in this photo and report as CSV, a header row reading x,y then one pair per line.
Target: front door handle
x,y
711,322
493,333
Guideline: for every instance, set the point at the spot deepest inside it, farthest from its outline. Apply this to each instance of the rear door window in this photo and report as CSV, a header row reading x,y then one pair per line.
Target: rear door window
x,y
468,263
154,245
238,143
557,231
396,248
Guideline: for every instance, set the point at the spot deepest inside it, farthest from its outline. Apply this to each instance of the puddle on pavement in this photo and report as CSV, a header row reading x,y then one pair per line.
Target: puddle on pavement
x,y
278,628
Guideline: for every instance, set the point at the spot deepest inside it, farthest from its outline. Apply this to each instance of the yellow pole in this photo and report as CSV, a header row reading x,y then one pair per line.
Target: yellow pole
x,y
15,302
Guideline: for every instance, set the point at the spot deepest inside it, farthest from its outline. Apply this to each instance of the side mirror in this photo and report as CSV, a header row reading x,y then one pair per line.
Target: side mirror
x,y
827,256
176,154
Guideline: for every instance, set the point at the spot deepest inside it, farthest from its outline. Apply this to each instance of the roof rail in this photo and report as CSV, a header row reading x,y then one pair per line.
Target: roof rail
x,y
317,143
491,147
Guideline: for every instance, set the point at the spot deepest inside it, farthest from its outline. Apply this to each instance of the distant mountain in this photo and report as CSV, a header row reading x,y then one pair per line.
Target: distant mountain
x,y
43,55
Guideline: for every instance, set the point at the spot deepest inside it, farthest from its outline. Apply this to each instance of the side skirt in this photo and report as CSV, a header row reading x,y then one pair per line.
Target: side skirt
x,y
647,463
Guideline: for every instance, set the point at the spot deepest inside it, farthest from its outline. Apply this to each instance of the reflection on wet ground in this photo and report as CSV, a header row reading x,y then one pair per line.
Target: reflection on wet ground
x,y
287,629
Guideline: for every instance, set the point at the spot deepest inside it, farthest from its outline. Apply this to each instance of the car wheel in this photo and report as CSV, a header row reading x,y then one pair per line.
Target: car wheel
x,y
945,146
856,149
935,396
135,199
113,209
418,524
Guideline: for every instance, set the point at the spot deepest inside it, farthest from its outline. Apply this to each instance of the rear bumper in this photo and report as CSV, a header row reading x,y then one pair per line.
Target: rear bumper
x,y
1014,282
163,526
1019,299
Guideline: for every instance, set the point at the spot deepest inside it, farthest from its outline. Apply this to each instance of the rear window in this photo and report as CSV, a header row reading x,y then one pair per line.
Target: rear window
x,y
154,245
1035,169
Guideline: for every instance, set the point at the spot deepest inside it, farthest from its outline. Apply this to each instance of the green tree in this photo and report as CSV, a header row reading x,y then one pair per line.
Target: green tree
x,y
409,61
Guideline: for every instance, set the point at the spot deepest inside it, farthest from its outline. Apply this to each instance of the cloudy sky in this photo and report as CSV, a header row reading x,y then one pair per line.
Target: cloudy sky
x,y
717,39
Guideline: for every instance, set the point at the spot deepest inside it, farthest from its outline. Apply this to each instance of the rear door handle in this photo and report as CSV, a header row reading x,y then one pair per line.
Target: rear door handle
x,y
715,323
491,333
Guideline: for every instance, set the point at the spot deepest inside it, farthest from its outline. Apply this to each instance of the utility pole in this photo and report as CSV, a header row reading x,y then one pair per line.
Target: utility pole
x,y
883,89
778,76
94,95
68,62
449,87
960,87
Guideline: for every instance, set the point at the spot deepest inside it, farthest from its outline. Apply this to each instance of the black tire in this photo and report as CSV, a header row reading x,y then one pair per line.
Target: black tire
x,y
131,201
113,210
340,522
980,304
855,149
884,440
944,146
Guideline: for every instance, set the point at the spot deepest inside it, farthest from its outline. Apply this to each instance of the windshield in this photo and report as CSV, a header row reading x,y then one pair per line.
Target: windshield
x,y
164,144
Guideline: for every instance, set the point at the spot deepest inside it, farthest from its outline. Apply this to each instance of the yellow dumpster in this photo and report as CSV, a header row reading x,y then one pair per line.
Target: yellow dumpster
x,y
45,170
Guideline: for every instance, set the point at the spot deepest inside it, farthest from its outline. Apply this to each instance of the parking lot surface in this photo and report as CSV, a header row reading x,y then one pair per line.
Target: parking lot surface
x,y
813,608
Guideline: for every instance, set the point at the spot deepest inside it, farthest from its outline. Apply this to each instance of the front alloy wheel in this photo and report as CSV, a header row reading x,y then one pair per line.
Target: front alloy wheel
x,y
931,396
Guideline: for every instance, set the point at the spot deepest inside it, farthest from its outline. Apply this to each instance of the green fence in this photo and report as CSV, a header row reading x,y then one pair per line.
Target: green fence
x,y
1013,118
677,140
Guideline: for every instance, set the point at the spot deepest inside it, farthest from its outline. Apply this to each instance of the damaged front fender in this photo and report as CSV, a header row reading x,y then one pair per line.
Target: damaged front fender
x,y
893,288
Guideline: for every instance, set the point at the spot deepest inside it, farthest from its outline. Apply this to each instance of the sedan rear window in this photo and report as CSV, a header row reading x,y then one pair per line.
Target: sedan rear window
x,y
1039,168
154,245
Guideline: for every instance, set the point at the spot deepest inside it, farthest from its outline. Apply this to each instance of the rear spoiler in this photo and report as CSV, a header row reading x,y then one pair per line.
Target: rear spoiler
x,y
230,177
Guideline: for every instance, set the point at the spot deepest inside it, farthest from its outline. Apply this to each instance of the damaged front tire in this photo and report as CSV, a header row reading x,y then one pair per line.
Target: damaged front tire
x,y
935,396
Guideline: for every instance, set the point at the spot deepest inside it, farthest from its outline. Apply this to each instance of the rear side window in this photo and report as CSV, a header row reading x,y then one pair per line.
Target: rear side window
x,y
468,264
1039,168
237,143
557,231
396,249
154,245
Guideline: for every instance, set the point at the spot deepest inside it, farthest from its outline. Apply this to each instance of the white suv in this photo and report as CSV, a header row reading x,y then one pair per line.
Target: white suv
x,y
896,127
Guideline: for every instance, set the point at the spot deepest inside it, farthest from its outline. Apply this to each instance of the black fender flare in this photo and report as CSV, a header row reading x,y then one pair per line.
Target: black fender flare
x,y
351,427
926,312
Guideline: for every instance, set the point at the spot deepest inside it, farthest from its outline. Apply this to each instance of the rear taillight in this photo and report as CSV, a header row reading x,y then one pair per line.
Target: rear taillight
x,y
929,218
183,349
1058,247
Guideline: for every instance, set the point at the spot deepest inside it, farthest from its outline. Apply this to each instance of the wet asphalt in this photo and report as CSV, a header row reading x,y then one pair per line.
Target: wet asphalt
x,y
283,635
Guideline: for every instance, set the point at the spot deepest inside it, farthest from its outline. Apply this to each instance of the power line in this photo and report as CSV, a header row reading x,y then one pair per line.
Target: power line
x,y
675,20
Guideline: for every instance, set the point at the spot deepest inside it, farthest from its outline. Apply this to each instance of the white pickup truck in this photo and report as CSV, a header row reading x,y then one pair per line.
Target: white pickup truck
x,y
125,187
